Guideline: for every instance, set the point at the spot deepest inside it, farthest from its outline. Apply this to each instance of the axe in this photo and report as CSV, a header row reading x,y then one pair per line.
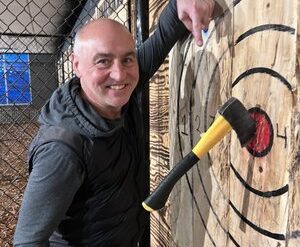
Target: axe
x,y
232,115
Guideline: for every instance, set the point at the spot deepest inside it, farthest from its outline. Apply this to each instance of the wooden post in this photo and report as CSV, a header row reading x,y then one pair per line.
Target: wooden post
x,y
159,141
293,228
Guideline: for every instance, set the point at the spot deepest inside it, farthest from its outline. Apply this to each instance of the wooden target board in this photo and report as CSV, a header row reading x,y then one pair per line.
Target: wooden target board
x,y
239,196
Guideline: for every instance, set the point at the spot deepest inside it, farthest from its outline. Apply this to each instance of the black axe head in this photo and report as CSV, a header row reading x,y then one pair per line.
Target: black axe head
x,y
240,120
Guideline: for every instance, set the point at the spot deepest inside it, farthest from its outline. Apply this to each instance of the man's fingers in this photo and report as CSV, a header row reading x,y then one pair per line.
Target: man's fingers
x,y
198,37
199,24
211,7
188,23
208,7
206,22
207,13
196,16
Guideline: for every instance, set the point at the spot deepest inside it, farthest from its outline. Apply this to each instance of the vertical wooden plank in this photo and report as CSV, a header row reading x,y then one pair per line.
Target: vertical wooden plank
x,y
181,79
293,230
264,80
159,141
201,79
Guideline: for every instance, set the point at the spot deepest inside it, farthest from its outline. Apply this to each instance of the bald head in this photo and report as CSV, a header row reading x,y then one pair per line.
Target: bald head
x,y
99,28
105,61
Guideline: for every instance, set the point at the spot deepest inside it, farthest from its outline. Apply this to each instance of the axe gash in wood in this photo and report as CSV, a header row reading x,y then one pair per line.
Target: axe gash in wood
x,y
232,115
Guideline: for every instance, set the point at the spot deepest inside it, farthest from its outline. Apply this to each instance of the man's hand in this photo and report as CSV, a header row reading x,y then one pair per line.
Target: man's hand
x,y
195,15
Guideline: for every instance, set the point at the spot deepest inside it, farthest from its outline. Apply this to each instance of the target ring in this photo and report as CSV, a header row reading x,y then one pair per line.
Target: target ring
x,y
192,128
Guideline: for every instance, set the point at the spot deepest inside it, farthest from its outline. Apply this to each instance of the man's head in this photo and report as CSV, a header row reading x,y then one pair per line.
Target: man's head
x,y
104,59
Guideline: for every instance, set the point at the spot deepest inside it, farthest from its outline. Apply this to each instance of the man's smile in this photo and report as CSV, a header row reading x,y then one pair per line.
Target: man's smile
x,y
117,87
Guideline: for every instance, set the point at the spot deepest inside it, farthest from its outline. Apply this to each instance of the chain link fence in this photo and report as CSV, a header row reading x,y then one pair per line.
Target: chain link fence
x,y
35,44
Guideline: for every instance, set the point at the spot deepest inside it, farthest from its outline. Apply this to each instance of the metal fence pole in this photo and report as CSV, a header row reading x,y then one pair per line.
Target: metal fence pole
x,y
142,33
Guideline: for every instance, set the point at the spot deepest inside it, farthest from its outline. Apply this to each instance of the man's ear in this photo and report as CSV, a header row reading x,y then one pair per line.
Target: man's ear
x,y
75,61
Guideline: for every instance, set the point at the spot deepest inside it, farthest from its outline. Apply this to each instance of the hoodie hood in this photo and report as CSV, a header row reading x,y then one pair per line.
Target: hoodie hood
x,y
67,109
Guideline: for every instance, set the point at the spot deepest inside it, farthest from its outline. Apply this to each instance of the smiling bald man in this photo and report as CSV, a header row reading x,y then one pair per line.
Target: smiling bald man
x,y
87,163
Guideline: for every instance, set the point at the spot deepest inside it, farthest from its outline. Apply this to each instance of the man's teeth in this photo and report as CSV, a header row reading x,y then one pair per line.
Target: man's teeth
x,y
117,87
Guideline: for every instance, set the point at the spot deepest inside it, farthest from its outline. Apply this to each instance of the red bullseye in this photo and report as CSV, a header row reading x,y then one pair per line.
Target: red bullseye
x,y
261,144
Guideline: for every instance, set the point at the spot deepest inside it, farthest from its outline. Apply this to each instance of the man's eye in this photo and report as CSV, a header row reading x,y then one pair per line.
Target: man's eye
x,y
129,60
102,62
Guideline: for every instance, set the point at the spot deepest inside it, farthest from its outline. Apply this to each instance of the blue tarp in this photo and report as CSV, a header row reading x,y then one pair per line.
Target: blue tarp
x,y
15,79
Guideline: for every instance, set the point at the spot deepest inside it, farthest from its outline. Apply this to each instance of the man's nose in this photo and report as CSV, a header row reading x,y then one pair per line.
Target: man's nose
x,y
118,72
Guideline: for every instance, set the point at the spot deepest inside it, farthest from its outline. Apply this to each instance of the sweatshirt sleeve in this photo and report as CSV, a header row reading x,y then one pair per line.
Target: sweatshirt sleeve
x,y
52,184
154,50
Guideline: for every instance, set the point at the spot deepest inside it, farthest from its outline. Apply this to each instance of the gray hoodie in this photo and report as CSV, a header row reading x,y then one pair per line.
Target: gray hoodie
x,y
59,173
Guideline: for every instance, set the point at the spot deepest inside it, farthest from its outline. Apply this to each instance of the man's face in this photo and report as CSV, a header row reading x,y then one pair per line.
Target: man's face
x,y
107,67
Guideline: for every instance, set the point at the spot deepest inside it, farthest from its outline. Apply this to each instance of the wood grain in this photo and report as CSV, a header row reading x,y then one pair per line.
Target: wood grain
x,y
231,197
159,139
